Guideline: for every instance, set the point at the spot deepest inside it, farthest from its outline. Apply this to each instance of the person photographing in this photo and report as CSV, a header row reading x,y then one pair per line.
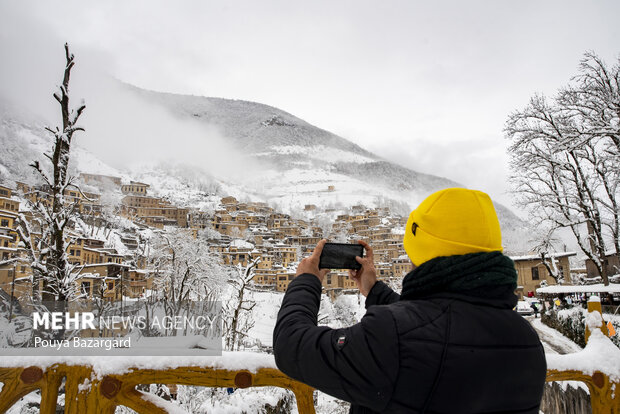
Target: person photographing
x,y
449,343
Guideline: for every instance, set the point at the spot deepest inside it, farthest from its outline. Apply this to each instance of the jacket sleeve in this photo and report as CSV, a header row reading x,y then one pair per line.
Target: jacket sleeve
x,y
381,294
358,364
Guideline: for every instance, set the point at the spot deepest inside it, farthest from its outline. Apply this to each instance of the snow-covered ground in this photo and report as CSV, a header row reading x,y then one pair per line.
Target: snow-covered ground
x,y
265,313
553,341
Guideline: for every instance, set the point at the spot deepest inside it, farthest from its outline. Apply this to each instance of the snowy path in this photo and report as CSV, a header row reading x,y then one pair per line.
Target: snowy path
x,y
553,341
556,343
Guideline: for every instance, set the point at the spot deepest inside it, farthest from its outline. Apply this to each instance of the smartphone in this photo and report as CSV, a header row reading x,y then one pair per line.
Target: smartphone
x,y
340,256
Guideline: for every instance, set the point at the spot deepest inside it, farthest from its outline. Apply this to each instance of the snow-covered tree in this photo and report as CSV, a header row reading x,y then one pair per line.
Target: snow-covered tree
x,y
342,235
564,159
238,307
44,235
101,223
594,102
235,233
209,234
184,270
545,247
325,222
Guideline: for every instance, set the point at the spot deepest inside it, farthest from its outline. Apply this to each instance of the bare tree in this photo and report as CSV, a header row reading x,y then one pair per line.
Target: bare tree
x,y
46,243
238,309
564,160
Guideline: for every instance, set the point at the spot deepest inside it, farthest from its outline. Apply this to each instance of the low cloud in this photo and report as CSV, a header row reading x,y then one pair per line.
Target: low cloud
x,y
123,128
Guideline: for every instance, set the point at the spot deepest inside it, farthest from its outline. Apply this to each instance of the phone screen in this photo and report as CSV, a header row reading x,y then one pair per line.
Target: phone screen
x,y
340,256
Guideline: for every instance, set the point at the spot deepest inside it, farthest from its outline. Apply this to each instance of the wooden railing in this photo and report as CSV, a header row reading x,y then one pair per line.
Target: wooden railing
x,y
604,390
87,390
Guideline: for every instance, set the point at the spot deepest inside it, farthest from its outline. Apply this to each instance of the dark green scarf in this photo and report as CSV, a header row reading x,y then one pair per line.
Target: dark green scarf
x,y
483,275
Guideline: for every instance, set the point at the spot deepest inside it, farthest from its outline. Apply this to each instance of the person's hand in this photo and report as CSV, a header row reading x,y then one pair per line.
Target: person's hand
x,y
311,263
366,277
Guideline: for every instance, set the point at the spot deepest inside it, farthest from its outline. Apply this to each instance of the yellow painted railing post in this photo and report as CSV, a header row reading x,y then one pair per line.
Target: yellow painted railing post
x,y
604,393
594,305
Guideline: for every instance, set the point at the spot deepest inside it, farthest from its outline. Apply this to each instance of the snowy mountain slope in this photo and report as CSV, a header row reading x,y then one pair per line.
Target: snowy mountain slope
x,y
285,141
300,160
23,139
253,125
297,153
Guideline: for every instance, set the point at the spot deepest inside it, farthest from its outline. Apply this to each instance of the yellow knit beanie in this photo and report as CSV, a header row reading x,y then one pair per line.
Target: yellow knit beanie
x,y
452,222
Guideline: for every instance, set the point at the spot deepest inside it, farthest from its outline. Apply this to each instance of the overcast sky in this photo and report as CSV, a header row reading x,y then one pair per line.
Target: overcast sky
x,y
427,85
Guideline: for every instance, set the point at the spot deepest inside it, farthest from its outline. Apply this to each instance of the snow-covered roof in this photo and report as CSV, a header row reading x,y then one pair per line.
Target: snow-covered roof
x,y
537,256
8,213
599,287
91,238
107,264
241,244
10,198
90,276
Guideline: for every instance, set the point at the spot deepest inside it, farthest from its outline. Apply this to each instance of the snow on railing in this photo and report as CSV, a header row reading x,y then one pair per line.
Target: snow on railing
x,y
100,384
597,365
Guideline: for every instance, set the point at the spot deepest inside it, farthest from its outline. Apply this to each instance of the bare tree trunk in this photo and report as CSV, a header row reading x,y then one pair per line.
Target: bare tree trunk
x,y
50,265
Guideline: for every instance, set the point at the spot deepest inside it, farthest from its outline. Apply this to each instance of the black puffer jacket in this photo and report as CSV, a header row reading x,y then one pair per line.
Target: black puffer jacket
x,y
445,353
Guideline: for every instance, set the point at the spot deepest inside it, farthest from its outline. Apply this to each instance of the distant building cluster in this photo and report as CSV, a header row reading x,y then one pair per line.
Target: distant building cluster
x,y
241,232
280,241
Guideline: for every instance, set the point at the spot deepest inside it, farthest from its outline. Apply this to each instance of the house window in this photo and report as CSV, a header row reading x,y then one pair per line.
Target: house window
x,y
535,274
4,223
110,285
86,288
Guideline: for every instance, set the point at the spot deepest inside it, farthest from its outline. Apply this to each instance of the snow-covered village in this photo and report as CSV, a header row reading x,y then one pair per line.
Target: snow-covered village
x,y
215,207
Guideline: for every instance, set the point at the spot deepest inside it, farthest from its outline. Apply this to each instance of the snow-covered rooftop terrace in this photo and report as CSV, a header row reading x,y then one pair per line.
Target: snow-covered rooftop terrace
x,y
597,288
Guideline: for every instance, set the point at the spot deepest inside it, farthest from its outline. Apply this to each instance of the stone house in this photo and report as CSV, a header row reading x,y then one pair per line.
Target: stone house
x,y
531,272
